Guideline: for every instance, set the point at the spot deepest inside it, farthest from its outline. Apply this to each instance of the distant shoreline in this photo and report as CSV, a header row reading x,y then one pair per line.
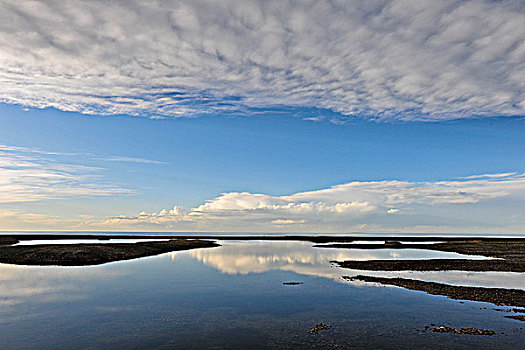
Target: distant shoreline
x,y
307,238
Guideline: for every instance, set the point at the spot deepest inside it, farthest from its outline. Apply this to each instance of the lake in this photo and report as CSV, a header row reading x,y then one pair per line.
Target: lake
x,y
233,297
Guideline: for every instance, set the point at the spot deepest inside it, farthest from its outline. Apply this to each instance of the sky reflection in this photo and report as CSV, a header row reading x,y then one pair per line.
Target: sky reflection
x,y
19,284
245,257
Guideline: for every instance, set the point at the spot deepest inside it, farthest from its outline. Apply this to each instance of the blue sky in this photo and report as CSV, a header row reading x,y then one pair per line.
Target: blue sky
x,y
188,116
150,164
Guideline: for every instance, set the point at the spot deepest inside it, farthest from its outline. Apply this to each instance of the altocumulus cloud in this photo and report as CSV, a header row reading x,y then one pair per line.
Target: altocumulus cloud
x,y
349,205
380,59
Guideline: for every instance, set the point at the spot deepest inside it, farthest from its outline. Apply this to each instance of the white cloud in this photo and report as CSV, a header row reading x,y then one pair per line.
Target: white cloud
x,y
382,59
485,204
440,192
287,222
303,259
19,284
360,206
9,148
488,176
241,201
132,160
27,176
15,219
234,201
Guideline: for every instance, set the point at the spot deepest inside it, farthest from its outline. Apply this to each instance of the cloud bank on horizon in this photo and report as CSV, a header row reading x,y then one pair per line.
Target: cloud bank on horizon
x,y
375,206
424,60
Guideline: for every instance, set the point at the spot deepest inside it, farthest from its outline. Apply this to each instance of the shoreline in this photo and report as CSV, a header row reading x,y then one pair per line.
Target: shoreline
x,y
251,237
88,254
496,296
508,256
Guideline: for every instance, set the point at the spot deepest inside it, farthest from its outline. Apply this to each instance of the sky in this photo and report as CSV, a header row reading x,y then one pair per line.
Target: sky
x,y
263,116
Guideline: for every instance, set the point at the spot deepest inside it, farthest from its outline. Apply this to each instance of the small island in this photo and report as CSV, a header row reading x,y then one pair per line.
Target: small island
x,y
90,253
508,255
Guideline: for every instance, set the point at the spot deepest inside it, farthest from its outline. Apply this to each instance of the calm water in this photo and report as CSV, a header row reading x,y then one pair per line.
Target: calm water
x,y
233,297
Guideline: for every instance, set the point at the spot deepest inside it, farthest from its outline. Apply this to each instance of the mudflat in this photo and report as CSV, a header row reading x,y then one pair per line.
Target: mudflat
x,y
508,254
497,296
91,253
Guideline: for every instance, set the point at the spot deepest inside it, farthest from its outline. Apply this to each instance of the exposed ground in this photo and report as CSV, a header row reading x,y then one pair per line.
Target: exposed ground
x,y
5,240
497,296
511,255
92,253
516,317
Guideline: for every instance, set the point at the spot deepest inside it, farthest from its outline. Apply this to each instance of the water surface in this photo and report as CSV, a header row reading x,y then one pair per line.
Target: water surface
x,y
233,297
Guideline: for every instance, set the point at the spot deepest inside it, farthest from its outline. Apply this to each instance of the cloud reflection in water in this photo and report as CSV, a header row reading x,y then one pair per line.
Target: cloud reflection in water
x,y
244,257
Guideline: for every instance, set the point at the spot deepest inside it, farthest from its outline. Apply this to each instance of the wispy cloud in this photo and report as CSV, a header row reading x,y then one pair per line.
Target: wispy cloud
x,y
287,222
490,176
31,175
31,150
132,160
379,59
9,217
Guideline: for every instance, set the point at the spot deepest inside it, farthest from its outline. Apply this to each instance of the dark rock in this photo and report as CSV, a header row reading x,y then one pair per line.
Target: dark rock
x,y
393,244
468,330
319,327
